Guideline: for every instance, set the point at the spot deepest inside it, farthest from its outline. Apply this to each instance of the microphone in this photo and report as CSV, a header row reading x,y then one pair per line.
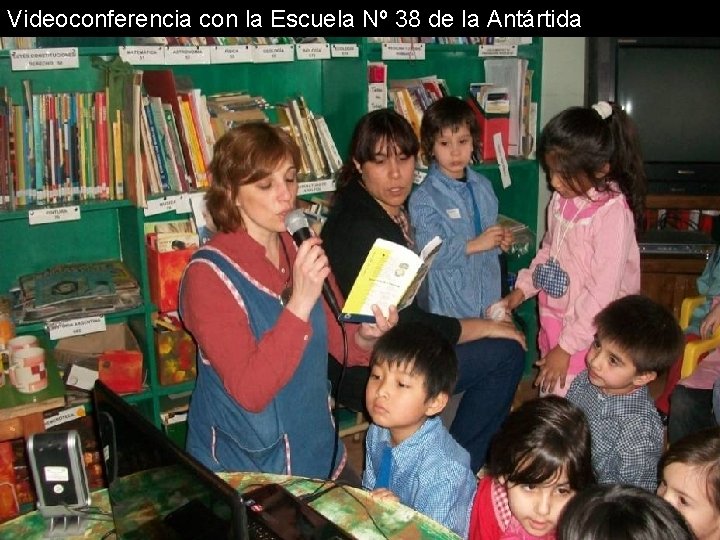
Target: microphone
x,y
297,225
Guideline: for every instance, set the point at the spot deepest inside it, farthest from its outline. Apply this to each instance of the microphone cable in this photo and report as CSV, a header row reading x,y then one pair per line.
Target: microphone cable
x,y
334,396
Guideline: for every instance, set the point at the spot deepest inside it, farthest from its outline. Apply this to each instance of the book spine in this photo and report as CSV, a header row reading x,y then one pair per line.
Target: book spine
x,y
176,147
98,129
118,156
164,150
194,143
158,157
148,153
38,149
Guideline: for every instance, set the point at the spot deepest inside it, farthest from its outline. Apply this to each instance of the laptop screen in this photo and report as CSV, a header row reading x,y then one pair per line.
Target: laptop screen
x,y
156,489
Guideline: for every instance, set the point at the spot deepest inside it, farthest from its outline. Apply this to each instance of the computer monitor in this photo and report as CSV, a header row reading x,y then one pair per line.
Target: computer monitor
x,y
156,489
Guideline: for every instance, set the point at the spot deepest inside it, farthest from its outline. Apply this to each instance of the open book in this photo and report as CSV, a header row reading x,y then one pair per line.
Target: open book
x,y
390,276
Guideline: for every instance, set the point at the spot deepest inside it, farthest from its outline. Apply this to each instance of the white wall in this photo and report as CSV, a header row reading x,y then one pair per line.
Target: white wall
x,y
563,85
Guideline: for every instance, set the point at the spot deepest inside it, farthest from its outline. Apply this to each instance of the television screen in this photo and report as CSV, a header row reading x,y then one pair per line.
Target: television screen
x,y
670,87
673,94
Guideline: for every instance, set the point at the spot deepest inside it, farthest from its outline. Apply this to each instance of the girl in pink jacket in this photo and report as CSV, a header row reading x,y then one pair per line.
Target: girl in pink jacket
x,y
589,255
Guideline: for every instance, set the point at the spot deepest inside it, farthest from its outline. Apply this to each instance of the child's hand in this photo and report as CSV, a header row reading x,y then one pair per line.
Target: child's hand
x,y
498,312
384,494
513,299
553,369
710,322
490,238
507,239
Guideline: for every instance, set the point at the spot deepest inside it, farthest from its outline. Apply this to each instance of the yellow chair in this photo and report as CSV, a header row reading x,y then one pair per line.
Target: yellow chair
x,y
695,349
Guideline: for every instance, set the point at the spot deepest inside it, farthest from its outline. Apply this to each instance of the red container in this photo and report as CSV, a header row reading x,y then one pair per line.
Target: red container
x,y
121,370
165,270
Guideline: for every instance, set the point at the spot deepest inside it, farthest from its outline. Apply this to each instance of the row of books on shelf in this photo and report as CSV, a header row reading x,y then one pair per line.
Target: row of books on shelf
x,y
507,91
12,42
151,134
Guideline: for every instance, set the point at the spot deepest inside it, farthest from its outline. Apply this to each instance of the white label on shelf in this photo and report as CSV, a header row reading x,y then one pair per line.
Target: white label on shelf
x,y
65,415
40,216
141,55
403,51
316,186
75,327
498,50
344,50
230,54
312,51
501,160
161,205
177,56
273,53
377,96
36,59
182,203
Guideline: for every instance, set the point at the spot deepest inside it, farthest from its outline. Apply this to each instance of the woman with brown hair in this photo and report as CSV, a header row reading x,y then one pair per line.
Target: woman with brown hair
x,y
252,301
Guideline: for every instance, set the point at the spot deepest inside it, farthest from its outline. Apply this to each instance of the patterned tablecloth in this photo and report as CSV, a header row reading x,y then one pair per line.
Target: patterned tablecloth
x,y
352,509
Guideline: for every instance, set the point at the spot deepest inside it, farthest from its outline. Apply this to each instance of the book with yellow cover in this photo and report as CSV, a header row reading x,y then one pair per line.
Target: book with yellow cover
x,y
390,276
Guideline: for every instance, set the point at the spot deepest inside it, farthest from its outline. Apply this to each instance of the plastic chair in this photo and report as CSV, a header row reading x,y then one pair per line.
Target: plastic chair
x,y
694,350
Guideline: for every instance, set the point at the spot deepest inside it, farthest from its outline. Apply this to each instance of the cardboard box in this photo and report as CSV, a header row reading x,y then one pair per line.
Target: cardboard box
x,y
165,270
175,353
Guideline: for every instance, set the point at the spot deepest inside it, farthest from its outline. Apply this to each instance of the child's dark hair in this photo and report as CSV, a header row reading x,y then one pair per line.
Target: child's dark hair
x,y
383,125
700,449
646,330
580,142
448,112
538,440
619,512
431,355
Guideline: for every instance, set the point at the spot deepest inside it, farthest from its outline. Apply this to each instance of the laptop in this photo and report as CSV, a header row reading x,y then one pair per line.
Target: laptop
x,y
156,489
159,491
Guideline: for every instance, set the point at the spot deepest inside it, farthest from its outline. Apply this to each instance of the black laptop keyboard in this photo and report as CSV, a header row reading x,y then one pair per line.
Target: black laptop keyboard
x,y
258,530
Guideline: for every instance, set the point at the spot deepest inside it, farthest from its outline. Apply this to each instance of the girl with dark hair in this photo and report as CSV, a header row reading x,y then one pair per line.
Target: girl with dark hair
x,y
620,512
690,481
538,460
589,255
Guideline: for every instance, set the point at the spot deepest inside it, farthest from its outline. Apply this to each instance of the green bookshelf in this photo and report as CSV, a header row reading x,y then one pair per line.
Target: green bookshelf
x,y
335,88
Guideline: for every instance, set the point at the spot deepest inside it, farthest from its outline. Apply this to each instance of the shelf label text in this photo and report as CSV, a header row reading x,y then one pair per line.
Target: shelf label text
x,y
403,51
273,53
162,205
344,50
38,59
177,56
75,327
509,49
40,216
312,51
143,55
231,54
